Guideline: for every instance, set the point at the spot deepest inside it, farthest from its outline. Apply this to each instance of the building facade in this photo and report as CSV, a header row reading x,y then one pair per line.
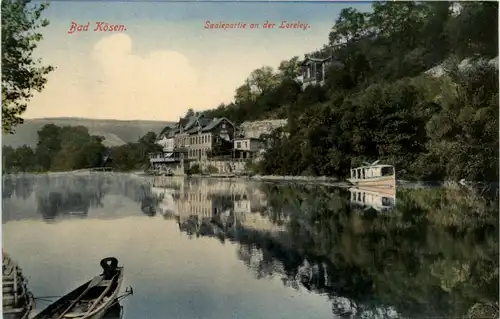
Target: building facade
x,y
209,137
246,147
192,138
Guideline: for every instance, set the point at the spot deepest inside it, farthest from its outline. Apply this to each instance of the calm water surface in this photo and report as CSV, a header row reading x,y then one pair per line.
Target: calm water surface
x,y
233,249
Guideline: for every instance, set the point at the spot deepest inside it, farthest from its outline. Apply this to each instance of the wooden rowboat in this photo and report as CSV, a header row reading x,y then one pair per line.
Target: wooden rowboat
x,y
17,301
93,299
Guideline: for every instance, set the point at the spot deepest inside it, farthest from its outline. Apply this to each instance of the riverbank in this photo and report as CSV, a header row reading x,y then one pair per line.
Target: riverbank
x,y
322,180
316,180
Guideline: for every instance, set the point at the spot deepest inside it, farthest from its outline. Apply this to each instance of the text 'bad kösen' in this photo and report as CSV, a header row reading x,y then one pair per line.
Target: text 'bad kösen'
x,y
99,26
266,25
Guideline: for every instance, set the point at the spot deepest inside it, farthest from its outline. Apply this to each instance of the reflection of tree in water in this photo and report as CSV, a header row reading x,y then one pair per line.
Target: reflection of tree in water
x,y
71,194
139,191
68,196
435,254
21,186
7,186
207,227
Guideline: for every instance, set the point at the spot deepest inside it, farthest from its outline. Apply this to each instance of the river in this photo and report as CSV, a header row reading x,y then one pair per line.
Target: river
x,y
204,248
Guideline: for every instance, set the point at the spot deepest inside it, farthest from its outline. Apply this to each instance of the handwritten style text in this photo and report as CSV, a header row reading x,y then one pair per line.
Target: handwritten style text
x,y
100,26
266,25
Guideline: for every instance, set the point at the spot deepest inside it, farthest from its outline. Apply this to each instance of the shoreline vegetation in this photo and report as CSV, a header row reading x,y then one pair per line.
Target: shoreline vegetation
x,y
298,180
413,84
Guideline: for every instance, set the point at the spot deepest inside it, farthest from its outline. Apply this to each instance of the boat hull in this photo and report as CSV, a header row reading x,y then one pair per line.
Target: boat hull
x,y
384,181
17,301
54,310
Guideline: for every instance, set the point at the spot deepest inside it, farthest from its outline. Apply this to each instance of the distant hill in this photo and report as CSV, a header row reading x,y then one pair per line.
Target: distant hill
x,y
115,132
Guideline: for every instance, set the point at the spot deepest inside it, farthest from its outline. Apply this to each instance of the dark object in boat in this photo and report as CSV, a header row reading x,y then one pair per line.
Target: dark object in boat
x,y
91,300
17,301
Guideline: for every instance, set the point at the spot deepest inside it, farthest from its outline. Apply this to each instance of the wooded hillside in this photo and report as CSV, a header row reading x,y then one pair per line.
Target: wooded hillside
x,y
380,104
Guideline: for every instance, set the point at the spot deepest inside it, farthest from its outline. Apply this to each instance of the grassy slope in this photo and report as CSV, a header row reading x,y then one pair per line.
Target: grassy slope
x,y
115,132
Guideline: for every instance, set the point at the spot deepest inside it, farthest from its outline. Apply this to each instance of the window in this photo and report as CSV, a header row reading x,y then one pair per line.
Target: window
x,y
238,144
387,171
223,125
246,144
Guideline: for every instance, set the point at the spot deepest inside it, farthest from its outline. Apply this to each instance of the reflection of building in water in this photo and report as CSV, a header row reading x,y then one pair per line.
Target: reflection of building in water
x,y
208,198
224,202
258,222
378,198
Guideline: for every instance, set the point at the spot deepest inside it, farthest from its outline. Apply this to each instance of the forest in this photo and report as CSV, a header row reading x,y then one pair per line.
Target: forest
x,y
380,103
72,147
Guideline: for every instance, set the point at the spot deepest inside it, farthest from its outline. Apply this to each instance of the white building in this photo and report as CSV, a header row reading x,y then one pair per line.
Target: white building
x,y
246,147
167,143
247,144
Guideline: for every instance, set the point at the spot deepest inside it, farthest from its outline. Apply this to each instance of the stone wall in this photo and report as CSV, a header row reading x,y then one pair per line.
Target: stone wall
x,y
222,166
256,128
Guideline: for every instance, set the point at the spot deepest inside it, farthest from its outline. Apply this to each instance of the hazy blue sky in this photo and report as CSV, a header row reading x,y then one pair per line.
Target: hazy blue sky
x,y
166,61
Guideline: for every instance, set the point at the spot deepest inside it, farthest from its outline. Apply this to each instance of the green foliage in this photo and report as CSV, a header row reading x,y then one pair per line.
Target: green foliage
x,y
464,134
116,132
252,166
134,156
194,169
72,147
211,169
266,93
21,73
377,103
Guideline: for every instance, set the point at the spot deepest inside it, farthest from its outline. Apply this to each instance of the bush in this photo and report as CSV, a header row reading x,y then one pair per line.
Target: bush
x,y
212,169
195,169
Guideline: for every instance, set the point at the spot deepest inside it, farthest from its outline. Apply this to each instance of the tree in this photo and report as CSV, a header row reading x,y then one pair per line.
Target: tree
x,y
263,79
350,26
189,113
49,144
464,134
21,159
21,74
289,69
470,32
379,103
244,93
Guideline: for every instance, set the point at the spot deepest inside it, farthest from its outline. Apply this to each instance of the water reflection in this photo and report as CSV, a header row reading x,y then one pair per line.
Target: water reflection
x,y
71,195
380,199
433,252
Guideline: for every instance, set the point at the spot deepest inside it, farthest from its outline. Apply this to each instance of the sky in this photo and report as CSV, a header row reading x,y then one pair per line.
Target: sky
x,y
164,61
